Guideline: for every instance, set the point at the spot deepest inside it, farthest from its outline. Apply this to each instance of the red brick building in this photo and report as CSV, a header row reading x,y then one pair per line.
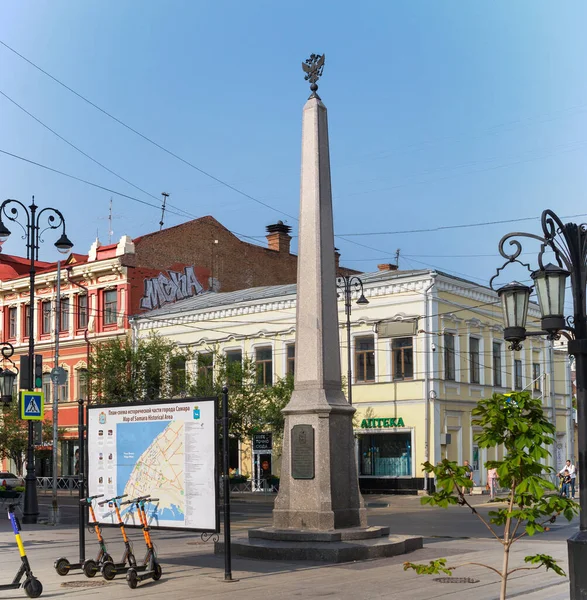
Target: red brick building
x,y
101,290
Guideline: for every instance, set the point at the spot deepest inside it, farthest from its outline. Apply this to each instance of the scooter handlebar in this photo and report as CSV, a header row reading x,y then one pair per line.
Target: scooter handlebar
x,y
135,500
112,499
90,498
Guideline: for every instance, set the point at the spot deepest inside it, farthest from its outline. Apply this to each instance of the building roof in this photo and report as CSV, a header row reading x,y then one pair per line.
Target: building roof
x,y
213,299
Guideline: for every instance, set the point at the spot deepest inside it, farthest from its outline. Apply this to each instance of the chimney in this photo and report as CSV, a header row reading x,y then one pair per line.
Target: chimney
x,y
336,260
278,237
387,267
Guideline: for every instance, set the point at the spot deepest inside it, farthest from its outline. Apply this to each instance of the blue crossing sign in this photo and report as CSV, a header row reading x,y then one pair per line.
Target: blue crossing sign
x,y
32,406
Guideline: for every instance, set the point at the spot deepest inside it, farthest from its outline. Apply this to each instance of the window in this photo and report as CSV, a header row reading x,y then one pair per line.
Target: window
x,y
206,369
536,376
178,375
264,362
234,367
385,455
27,320
63,391
449,356
497,364
82,311
474,365
82,384
110,307
64,315
47,387
12,322
291,359
518,374
365,359
46,316
402,358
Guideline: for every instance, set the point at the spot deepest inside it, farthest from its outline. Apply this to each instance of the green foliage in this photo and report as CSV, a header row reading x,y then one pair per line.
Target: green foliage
x,y
545,560
433,568
253,407
517,423
14,434
119,372
156,368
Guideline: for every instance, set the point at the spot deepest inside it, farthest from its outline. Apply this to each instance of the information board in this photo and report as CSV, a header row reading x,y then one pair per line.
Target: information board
x,y
163,449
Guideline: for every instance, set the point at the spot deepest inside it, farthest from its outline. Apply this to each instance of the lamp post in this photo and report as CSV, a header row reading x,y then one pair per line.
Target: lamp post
x,y
346,284
7,376
568,242
52,219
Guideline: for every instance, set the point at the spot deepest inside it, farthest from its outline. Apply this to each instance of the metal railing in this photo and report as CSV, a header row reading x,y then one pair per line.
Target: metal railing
x,y
65,482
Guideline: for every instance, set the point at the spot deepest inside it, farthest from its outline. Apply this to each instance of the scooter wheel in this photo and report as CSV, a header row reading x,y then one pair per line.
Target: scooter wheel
x,y
157,572
90,568
107,558
62,566
132,579
108,571
33,588
132,561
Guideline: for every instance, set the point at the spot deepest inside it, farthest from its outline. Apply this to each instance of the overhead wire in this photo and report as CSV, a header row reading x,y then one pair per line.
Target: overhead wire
x,y
78,149
145,137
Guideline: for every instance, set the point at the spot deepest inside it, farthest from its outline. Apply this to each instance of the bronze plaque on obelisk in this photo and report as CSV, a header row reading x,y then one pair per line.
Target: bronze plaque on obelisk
x,y
302,452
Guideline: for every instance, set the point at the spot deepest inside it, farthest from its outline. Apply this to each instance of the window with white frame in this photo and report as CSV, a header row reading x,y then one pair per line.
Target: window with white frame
x,y
402,351
449,356
518,380
474,360
264,364
497,381
364,359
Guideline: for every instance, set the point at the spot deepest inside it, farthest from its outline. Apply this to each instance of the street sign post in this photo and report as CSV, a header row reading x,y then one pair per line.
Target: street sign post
x,y
58,375
32,406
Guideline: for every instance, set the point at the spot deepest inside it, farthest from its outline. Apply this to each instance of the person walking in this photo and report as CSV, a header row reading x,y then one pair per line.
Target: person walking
x,y
572,472
565,484
492,482
470,476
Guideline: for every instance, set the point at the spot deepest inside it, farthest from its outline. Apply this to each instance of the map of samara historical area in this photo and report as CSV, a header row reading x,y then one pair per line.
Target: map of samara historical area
x,y
165,450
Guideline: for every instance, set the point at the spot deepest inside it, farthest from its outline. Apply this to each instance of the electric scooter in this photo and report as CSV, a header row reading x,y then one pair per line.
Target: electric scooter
x,y
111,569
153,568
32,586
89,567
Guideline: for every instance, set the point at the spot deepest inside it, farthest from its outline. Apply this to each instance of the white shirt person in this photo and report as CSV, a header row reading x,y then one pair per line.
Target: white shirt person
x,y
570,468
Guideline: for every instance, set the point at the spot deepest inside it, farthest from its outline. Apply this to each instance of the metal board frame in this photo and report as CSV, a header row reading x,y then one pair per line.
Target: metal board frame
x,y
191,400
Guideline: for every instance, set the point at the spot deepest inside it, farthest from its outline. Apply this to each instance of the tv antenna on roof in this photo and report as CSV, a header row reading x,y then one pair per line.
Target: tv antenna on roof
x,y
165,196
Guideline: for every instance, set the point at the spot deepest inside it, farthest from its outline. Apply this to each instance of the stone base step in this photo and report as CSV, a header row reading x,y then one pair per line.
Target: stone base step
x,y
322,551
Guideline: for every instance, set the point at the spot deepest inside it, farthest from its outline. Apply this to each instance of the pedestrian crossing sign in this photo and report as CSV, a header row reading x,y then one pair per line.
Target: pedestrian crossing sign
x,y
32,406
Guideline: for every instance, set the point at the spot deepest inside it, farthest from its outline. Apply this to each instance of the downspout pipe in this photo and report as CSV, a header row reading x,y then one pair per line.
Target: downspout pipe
x,y
88,345
427,378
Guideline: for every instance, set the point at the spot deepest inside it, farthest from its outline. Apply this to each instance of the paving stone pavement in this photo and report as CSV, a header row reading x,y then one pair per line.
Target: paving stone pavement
x,y
191,570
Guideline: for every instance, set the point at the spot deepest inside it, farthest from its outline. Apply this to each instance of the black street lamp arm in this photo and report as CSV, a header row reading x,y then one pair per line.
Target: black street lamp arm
x,y
13,216
51,224
346,284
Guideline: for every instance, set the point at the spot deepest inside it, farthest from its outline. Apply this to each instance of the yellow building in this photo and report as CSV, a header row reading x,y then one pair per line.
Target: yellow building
x,y
425,349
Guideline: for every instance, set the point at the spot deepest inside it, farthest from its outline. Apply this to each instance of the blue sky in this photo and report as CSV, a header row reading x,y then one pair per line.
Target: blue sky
x,y
440,113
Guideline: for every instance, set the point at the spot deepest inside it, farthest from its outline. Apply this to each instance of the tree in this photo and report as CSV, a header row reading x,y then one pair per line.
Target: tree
x,y
157,368
119,372
254,407
14,434
517,422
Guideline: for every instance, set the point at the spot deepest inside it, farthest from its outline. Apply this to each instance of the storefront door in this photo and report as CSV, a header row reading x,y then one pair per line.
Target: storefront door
x,y
476,464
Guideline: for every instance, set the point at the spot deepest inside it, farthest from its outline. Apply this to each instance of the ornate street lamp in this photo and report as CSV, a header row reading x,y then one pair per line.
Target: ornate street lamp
x,y
7,377
52,219
568,242
346,284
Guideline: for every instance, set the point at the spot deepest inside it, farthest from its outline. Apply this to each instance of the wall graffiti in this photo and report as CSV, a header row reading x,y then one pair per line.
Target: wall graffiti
x,y
162,290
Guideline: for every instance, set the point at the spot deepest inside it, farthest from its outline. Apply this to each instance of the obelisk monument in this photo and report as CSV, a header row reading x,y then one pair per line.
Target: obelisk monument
x,y
319,488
